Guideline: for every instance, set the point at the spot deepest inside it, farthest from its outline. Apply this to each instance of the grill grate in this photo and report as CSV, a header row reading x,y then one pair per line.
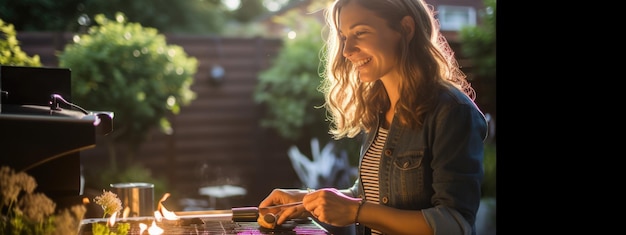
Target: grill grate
x,y
204,226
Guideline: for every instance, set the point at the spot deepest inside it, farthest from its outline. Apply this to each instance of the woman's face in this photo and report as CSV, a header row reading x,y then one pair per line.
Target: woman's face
x,y
368,43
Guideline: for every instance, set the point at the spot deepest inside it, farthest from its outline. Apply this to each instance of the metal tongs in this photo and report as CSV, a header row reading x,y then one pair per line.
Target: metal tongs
x,y
282,205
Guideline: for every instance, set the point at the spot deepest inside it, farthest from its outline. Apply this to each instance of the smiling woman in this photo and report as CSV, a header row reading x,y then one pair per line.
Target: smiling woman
x,y
391,80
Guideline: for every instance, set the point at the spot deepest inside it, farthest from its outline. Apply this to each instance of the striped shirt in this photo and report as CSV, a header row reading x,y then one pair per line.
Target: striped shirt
x,y
369,168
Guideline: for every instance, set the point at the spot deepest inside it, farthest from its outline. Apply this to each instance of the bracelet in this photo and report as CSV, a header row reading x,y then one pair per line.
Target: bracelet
x,y
358,210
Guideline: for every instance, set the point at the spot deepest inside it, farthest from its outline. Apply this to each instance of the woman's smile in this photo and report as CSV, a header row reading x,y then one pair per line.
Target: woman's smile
x,y
360,63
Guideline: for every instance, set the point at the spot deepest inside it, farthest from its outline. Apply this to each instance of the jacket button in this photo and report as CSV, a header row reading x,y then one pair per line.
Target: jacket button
x,y
388,152
385,200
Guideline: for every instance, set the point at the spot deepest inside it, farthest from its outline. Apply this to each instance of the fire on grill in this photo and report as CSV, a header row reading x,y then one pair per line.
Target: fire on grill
x,y
241,220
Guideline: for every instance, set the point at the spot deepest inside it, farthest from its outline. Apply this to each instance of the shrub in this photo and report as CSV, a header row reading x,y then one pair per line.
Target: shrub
x,y
10,51
132,71
289,88
23,210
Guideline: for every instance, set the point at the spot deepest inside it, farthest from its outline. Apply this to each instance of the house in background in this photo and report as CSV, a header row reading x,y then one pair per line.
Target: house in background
x,y
455,14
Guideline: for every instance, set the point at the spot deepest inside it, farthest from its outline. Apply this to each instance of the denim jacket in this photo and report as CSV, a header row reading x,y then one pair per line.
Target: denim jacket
x,y
439,166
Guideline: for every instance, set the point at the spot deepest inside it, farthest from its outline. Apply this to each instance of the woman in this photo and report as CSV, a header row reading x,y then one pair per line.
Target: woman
x,y
392,77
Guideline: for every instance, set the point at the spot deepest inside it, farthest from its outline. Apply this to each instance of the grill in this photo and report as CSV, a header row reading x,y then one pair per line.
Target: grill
x,y
219,222
42,133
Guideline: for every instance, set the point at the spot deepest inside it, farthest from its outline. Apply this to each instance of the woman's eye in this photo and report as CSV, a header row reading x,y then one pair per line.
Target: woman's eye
x,y
359,33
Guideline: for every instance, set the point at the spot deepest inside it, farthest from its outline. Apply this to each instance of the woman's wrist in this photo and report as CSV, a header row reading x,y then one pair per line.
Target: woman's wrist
x,y
358,211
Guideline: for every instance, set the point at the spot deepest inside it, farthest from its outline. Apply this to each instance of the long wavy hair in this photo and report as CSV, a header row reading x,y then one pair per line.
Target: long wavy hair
x,y
427,65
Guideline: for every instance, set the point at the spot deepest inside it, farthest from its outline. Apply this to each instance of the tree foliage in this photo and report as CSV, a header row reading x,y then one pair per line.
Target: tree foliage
x,y
479,45
193,17
248,10
182,17
130,70
41,15
288,89
10,51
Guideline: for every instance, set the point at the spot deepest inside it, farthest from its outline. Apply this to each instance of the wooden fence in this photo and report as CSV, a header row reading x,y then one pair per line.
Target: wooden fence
x,y
217,138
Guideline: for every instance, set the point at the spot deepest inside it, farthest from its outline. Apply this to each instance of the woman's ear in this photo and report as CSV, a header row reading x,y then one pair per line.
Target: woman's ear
x,y
408,26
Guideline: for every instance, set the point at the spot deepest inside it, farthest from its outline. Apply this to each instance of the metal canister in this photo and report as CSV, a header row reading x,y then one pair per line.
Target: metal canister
x,y
137,196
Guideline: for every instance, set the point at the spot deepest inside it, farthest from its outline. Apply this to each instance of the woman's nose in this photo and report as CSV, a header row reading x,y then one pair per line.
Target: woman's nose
x,y
348,47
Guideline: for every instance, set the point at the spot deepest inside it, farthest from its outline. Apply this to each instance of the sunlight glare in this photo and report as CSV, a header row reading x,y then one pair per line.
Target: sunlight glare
x,y
291,34
274,5
231,4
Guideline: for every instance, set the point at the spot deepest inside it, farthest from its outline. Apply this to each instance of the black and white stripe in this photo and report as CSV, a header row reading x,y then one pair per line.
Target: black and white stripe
x,y
369,168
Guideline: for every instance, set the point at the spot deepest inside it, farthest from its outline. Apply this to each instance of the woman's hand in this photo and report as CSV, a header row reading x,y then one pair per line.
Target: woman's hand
x,y
331,206
281,197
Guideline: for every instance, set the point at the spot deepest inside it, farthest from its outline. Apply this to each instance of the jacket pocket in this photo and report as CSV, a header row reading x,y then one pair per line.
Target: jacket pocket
x,y
409,160
409,181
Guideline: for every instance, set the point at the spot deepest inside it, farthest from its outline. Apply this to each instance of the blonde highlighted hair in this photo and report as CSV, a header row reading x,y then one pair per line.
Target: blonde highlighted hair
x,y
427,65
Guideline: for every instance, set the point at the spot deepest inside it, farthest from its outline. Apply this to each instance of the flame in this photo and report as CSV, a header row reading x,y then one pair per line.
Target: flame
x,y
158,216
85,201
126,212
112,219
169,215
165,196
142,227
154,229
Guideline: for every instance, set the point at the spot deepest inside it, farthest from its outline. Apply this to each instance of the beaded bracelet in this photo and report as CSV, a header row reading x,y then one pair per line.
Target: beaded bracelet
x,y
358,210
